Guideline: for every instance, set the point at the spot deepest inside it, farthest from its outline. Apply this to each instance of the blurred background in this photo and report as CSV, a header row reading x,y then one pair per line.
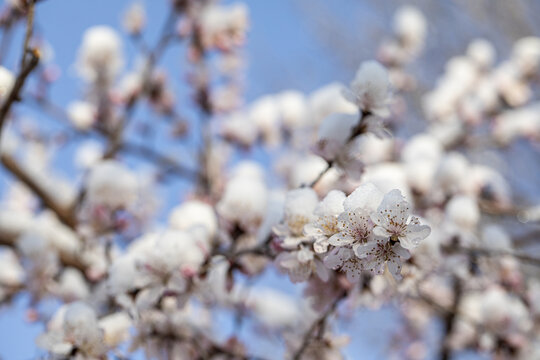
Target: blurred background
x,y
292,44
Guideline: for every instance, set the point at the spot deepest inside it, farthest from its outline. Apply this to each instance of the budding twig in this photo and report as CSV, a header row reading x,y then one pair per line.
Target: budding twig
x,y
317,324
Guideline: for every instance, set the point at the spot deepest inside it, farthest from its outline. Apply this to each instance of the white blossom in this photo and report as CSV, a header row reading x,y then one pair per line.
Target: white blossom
x,y
326,223
264,113
381,253
355,224
293,108
334,132
482,52
7,80
134,18
80,332
245,199
410,26
100,55
115,328
224,26
370,89
328,100
82,114
112,184
240,128
299,211
11,271
345,259
88,154
526,55
463,211
72,285
394,221
192,214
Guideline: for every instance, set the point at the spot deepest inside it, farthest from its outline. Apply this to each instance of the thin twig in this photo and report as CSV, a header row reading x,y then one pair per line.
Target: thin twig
x,y
116,135
321,174
449,320
154,156
317,324
492,253
29,31
169,164
29,66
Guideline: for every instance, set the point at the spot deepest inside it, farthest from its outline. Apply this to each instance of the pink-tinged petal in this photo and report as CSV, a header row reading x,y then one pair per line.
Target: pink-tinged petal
x,y
374,266
382,232
394,208
322,271
353,272
331,205
362,251
401,252
337,257
395,269
401,212
345,218
414,234
333,261
341,239
391,199
378,219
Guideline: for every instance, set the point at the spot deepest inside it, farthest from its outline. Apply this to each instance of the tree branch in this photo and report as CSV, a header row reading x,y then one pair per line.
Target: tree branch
x,y
64,214
27,66
17,87
449,320
492,253
317,324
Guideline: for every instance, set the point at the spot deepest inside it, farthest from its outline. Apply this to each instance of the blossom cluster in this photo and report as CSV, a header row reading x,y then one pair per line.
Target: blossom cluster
x,y
367,231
